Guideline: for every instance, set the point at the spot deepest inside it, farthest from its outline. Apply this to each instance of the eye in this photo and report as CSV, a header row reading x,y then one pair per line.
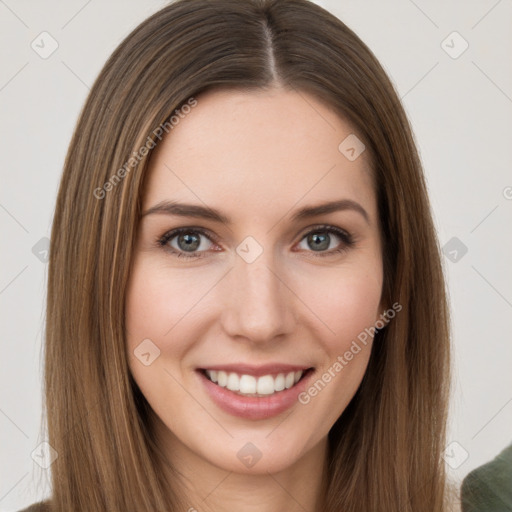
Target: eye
x,y
320,238
185,242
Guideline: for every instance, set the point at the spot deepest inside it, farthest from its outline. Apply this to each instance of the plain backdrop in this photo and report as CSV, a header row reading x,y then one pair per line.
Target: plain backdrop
x,y
450,63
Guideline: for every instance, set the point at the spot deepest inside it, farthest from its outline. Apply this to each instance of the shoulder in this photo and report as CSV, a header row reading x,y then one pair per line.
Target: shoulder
x,y
41,506
487,487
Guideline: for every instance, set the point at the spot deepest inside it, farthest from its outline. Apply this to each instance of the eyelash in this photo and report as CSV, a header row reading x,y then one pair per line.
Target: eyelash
x,y
347,240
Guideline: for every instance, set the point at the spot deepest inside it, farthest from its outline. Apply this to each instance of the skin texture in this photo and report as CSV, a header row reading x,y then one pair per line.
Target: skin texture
x,y
257,157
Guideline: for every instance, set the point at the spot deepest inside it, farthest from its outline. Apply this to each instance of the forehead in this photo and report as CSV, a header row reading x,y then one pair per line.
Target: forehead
x,y
258,152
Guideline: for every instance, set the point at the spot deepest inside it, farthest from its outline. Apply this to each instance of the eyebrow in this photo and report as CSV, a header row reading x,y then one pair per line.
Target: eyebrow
x,y
203,212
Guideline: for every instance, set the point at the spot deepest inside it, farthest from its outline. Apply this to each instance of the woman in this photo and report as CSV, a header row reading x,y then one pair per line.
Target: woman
x,y
246,305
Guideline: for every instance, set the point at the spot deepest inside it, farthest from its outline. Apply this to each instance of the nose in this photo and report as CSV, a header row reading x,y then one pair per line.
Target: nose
x,y
259,305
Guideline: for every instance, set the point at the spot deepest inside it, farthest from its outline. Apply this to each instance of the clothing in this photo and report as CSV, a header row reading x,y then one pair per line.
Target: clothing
x,y
488,488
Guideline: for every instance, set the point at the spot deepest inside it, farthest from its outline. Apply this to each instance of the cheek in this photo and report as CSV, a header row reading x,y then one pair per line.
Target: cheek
x,y
155,305
349,310
352,308
157,302
346,301
150,301
169,308
146,305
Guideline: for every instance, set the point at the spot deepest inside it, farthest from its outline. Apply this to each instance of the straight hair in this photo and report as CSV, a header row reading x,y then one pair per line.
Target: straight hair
x,y
385,450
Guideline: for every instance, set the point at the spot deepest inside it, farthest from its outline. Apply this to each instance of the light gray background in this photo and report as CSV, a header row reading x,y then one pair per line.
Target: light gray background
x,y
461,112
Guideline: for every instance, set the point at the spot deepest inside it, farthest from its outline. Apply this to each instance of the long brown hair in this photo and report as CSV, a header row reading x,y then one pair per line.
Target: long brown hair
x,y
385,449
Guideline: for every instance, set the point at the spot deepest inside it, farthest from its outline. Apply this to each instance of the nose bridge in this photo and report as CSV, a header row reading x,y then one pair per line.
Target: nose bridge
x,y
259,306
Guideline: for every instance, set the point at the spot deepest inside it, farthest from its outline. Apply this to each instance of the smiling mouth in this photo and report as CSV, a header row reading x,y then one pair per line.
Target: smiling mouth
x,y
251,386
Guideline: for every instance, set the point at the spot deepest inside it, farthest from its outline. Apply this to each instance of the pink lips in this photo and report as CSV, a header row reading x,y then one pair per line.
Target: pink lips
x,y
250,407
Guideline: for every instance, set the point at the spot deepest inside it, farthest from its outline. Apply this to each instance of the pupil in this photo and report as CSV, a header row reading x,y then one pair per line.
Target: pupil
x,y
319,241
191,242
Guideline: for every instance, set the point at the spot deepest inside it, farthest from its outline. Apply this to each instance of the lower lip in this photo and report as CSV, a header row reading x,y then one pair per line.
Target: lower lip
x,y
251,407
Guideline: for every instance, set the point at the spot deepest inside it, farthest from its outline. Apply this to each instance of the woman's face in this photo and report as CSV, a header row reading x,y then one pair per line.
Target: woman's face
x,y
263,291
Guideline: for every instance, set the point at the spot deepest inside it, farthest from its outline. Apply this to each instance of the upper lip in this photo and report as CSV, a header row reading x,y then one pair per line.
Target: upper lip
x,y
257,371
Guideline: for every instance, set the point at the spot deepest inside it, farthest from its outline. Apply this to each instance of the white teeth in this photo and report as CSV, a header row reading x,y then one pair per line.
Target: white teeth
x,y
247,384
250,385
279,382
233,382
265,385
222,379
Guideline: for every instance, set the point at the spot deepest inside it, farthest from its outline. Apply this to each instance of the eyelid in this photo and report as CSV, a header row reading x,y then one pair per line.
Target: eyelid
x,y
348,240
325,227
